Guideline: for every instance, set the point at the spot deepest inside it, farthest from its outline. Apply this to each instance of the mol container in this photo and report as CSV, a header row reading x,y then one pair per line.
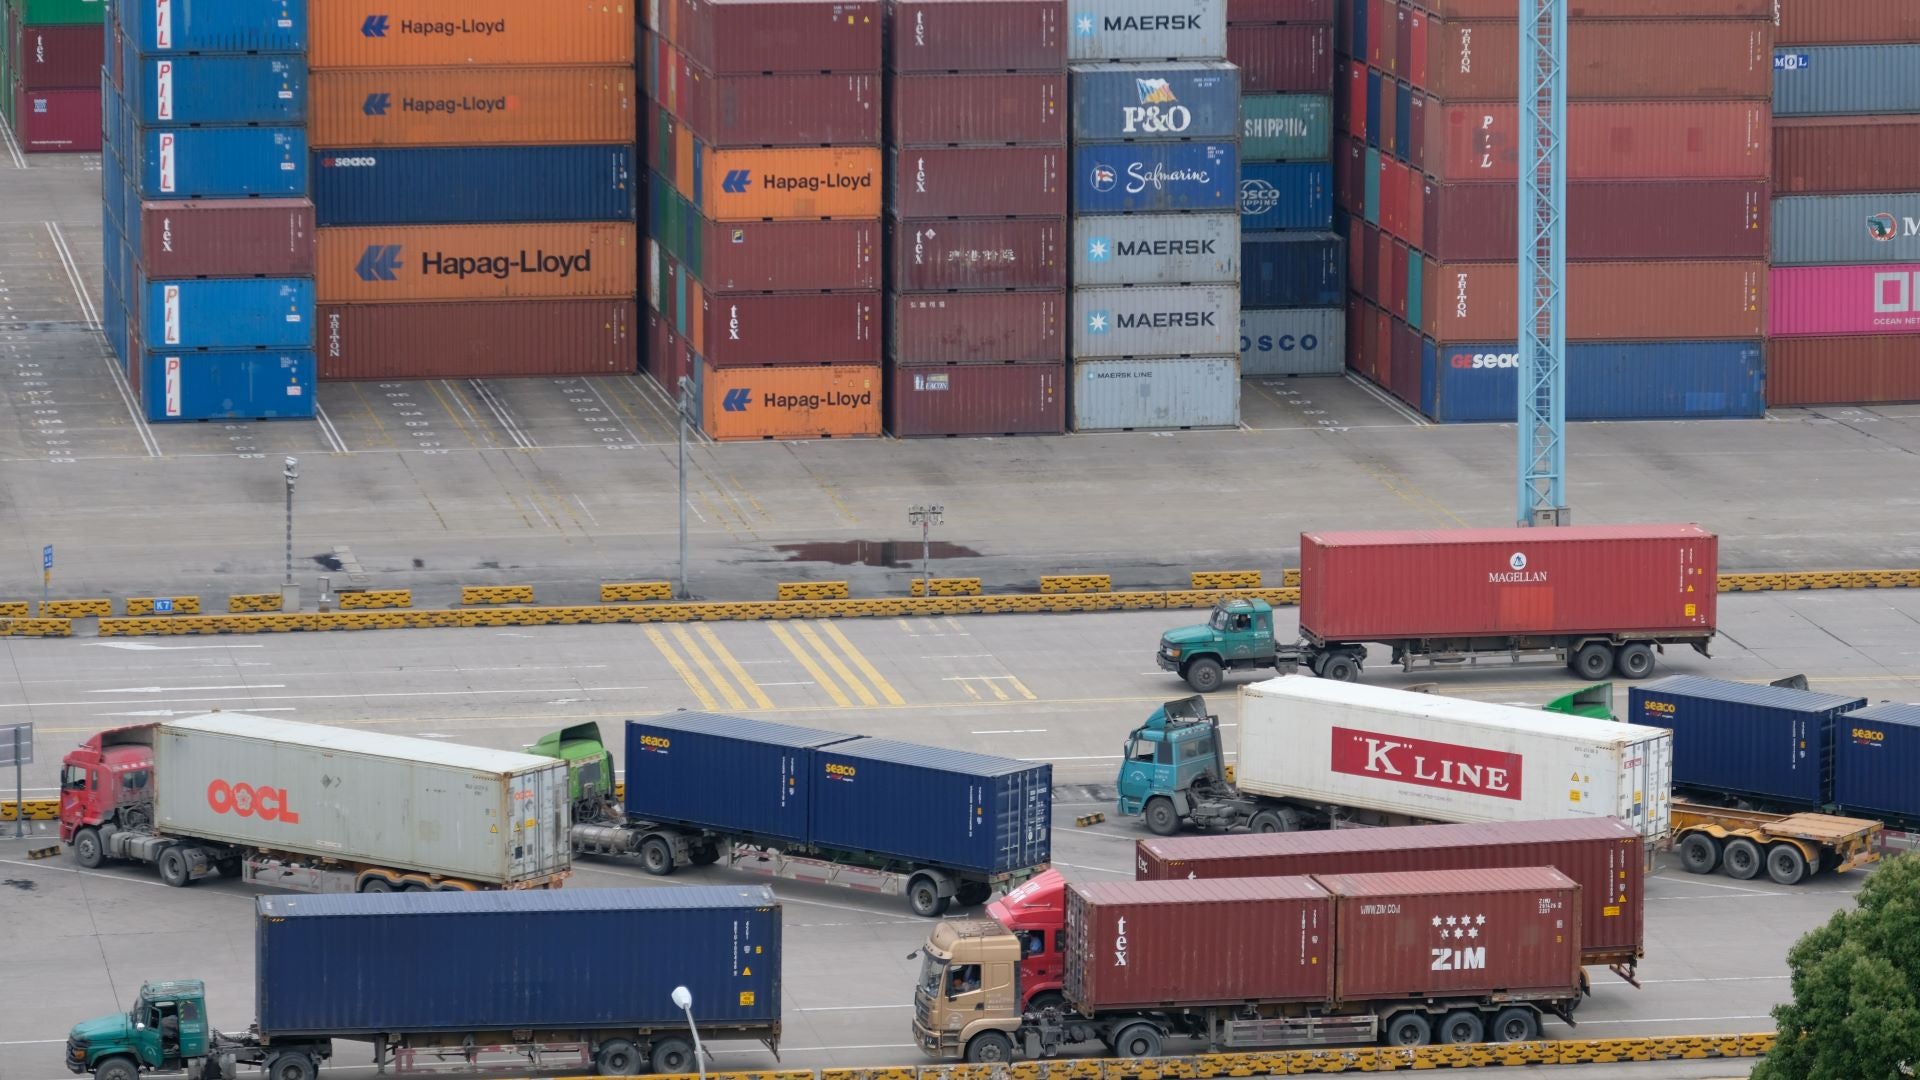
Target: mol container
x,y
1837,80
675,762
1765,742
1193,100
1156,320
940,36
165,90
1150,177
1156,249
1146,30
458,33
1876,756
970,811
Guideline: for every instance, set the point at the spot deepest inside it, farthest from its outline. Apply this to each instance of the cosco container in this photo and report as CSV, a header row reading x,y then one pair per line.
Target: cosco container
x,y
808,401
219,162
183,91
1663,140
940,254
497,339
473,185
1162,394
1815,300
215,26
1698,59
721,942
1608,301
1285,269
977,35
1843,370
1286,195
1812,230
1876,752
1191,100
765,256
973,812
978,328
458,33
1155,177
1739,739
977,399
1293,341
747,37
1630,380
1606,219
186,238
476,262
1147,30
977,181
1840,154
994,108
222,385
54,57
467,106
1286,127
201,313
1156,320
1842,22
763,110
1832,80
56,121
1156,249
724,773
1289,58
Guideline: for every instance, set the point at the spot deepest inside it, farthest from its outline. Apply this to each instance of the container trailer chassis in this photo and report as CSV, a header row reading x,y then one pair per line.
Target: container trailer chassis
x,y
1789,848
1591,656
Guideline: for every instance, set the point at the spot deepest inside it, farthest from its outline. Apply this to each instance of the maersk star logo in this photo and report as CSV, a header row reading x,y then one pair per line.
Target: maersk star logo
x,y
1084,26
1098,249
1097,322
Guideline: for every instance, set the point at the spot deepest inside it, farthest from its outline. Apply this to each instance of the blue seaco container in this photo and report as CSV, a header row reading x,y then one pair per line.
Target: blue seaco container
x,y
473,185
1737,739
1627,380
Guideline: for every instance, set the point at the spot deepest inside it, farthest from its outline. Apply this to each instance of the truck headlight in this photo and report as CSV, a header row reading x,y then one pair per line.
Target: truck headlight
x,y
1172,651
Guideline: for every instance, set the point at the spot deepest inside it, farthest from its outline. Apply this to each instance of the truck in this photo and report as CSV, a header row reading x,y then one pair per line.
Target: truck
x,y
1450,956
583,979
310,808
1316,753
937,826
1599,598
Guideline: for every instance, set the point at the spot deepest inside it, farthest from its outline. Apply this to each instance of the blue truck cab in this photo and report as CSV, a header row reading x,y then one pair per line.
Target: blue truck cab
x,y
1168,760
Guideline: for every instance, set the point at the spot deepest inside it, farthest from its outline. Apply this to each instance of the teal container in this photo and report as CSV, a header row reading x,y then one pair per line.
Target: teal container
x,y
1373,186
59,12
1286,127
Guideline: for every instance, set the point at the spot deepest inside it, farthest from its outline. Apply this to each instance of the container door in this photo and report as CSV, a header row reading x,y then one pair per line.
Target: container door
x,y
1646,785
541,812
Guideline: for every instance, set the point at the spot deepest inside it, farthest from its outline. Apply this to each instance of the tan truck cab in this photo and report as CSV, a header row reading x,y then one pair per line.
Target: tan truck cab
x,y
966,1003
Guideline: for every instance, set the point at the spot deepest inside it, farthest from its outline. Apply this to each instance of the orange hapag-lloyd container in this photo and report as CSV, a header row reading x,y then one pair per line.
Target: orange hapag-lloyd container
x,y
473,106
455,33
812,401
781,184
549,260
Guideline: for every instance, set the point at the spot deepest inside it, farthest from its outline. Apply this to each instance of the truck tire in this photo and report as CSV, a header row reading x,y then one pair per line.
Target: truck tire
x,y
1786,864
374,884
1407,1029
1341,668
1741,859
290,1067
1634,661
87,849
617,1057
1137,1041
1700,853
116,1068
656,856
990,1048
923,895
174,870
1162,819
1514,1024
672,1055
1460,1027
1593,661
1204,675
1280,819
1047,999
972,893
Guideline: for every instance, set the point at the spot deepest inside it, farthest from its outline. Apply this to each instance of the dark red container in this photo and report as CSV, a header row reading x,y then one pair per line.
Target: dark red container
x,y
944,110
1416,152
1240,12
477,340
57,121
735,111
1403,38
1606,219
787,256
977,399
1664,140
1359,358
1419,24
1393,198
1370,262
979,181
746,37
978,328
60,57
668,358
1382,345
1399,935
979,254
191,238
1349,175
1845,22
1695,59
1834,155
1397,289
1292,58
978,35
752,329
1843,370
1356,90
1176,932
1380,37
1615,9
1378,586
1405,383
1383,272
1356,260
1389,109
1416,207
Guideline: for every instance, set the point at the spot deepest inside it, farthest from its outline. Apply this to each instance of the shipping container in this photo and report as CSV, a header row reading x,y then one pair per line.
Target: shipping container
x,y
1634,380
1156,320
936,255
1292,341
1607,301
1287,270
1350,158
187,238
56,121
184,91
788,402
1664,140
221,385
1156,249
724,773
214,26
1148,395
1291,58
978,181
1841,154
1876,754
1191,943
1286,127
1816,230
1286,195
977,399
1739,739
977,812
748,37
1844,22
473,185
726,111
1190,100
437,954
1815,300
977,328
1699,59
1154,177
1242,12
749,329
59,12
1843,370
465,106
218,163
1147,30
977,35
57,57
765,256
498,339
783,184
1834,80
1606,219
1612,9
457,33
200,313
476,262
991,108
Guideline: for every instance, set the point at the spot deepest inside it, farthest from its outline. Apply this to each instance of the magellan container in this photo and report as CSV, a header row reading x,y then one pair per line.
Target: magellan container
x,y
1834,80
1738,739
1816,300
1606,219
199,313
1881,368
473,185
1815,230
1154,177
1146,30
812,401
467,106
978,328
1286,127
987,108
1156,320
941,254
976,399
496,339
1286,195
1607,301
1292,341
1844,22
458,33
218,163
1875,752
56,121
1665,140
765,256
1841,154
1156,249
1628,380
1000,181
748,37
763,110
977,35
254,384
166,90
54,57
1292,269
216,26
476,262
784,184
1289,58
1150,395
183,238
1478,60
1185,100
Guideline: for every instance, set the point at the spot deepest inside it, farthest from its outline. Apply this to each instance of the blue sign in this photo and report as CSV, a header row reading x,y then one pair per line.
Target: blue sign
x,y
46,557
1791,61
162,606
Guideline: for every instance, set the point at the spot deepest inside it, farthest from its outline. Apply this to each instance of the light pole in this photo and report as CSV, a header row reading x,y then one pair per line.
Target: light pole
x,y
684,999
926,517
680,406
292,473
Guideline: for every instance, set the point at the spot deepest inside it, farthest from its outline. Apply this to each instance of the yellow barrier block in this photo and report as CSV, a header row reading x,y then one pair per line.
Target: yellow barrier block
x,y
36,627
1076,583
636,590
36,810
948,586
1290,579
16,609
76,609
496,594
263,601
814,590
148,605
1225,579
376,598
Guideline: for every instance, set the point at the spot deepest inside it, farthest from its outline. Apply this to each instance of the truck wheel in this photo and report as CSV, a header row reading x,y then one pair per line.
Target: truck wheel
x,y
1634,661
1515,1025
656,856
1461,1027
116,1068
1285,819
290,1067
672,1055
1786,865
1700,853
1341,668
1204,675
1593,661
174,869
1137,1041
617,1057
376,885
923,895
1047,999
1741,859
990,1048
1161,818
86,849
972,893
1407,1029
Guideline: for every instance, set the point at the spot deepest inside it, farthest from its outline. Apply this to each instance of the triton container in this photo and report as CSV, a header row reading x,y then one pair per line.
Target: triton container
x,y
1737,740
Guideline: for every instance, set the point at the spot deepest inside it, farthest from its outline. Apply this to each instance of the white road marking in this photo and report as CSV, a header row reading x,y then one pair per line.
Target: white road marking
x,y
141,646
187,712
1013,731
817,1008
169,689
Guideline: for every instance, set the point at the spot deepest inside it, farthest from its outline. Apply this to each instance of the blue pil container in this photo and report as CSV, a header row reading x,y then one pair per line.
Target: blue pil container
x,y
219,162
1286,195
168,91
1154,177
1623,380
1762,742
723,773
1876,766
226,313
1292,270
928,805
565,959
477,185
213,384
1194,100
214,26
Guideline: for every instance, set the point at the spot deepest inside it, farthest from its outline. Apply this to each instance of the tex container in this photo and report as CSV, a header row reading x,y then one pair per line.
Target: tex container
x,y
1842,22
231,313
473,185
55,57
1146,30
215,26
1286,195
991,108
250,384
1155,177
1739,739
187,238
731,775
1156,249
977,328
435,953
1816,155
1155,395
1293,341
977,399
1187,100
1290,269
1446,759
1650,140
1842,300
1286,58
1156,320
805,401
1835,80
783,184
458,33
493,817
1876,751
166,90
476,262
496,339
218,162
1286,127
1623,380
1843,370
1696,59
975,812
748,37
1606,219
763,110
978,181
977,35
1665,300
941,254
55,121
1814,230
468,106
765,256
1149,944
59,12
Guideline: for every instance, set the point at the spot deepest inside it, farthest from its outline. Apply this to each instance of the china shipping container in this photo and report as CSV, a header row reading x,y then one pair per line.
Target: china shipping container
x,y
1272,11
56,57
672,762
1876,750
1606,219
1632,380
202,313
1286,127
1840,300
981,813
166,90
466,106
216,26
1609,301
1292,341
1291,58
1156,249
1286,269
1156,320
748,329
765,256
457,33
1738,739
473,185
1154,177
1611,9
1698,59
977,35
747,37
1816,230
1663,140
1183,100
972,181
1834,80
477,339
781,183
1286,195
1843,370
936,255
56,121
476,262
990,107
977,328
1147,30
185,238
58,12
788,402
1816,155
1162,394
977,399
763,110
218,162
1844,22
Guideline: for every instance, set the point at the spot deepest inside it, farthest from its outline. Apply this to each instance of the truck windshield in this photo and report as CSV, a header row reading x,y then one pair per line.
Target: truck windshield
x,y
932,970
1141,750
1222,620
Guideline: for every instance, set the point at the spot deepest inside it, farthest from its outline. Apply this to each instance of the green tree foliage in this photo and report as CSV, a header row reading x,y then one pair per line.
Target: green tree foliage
x,y
1855,1013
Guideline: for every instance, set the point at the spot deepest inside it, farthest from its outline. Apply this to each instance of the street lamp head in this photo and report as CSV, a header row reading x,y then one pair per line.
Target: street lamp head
x,y
293,468
682,999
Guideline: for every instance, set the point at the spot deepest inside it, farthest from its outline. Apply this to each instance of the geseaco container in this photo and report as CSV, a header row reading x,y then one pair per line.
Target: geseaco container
x,y
219,162
1763,742
1292,269
1156,249
215,26
253,384
974,811
1188,100
166,91
724,773
1110,178
1876,751
1619,380
387,185
272,313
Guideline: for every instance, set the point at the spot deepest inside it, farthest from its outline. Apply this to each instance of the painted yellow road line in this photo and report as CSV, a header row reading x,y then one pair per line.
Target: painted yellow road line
x,y
680,668
833,661
714,678
1022,687
759,696
860,661
813,667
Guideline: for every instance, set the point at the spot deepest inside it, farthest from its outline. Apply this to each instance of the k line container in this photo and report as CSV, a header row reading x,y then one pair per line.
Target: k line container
x,y
1188,100
1841,154
476,262
473,185
1478,60
1286,127
216,26
477,339
1833,80
988,814
240,385
747,37
788,402
1286,195
167,91
178,238
1843,370
763,110
1875,753
1765,742
1161,394
1287,269
467,106
56,121
1292,58
490,816
1609,301
977,35
721,942
977,399
457,33
765,256
1842,300
784,184
1154,177
977,328
219,163
675,762
977,181
1293,341
1156,249
1814,230
1844,22
1664,140
938,254
989,108
1640,380
200,313
1606,219
53,57
1156,320
1146,30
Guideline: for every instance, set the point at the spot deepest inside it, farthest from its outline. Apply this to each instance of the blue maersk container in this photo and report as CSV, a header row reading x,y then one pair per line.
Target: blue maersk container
x,y
1286,195
1876,763
214,26
723,773
226,313
1627,380
1846,80
168,91
925,804
460,185
222,384
219,162
566,959
1114,178
1729,738
1195,100
1292,270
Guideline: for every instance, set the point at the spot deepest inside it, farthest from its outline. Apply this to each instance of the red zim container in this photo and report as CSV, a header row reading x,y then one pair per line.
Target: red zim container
x,y
734,111
987,254
942,110
977,399
1383,272
747,37
1403,37
190,238
1293,58
1606,219
57,121
1652,59
979,181
1845,22
1843,370
59,57
1446,932
477,340
1147,943
978,328
1382,346
1393,197
978,35
1664,140
1376,586
790,256
1833,155
1241,12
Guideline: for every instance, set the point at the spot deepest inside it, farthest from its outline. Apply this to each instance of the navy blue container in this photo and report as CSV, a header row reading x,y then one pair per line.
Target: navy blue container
x,y
565,959
1112,178
723,773
214,26
1876,762
239,384
1402,120
450,186
219,162
1286,195
226,313
1373,109
1195,100
1729,738
166,91
931,806
1631,380
1359,8
1292,270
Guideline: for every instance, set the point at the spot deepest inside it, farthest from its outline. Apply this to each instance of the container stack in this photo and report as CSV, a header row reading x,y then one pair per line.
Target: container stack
x,y
50,60
1667,161
977,231
1845,313
1292,266
209,231
1155,179
473,181
762,267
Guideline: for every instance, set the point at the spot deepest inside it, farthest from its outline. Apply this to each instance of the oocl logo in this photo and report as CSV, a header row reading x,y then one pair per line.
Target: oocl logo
x,y
245,800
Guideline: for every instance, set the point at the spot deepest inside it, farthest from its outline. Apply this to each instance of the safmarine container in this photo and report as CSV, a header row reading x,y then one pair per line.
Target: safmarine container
x,y
989,107
769,256
1289,269
1286,195
1111,178
941,254
1190,100
977,35
978,328
184,238
271,313
496,339
1156,320
1729,738
1831,80
721,942
1606,219
465,106
215,26
52,57
1876,754
476,262
218,162
56,121
1640,300
1843,370
808,401
240,385
1840,154
1156,249
1630,380
1160,394
1479,59
452,33
747,37
976,812
763,110
1814,230
976,399
1293,341
473,185
1292,58
1664,140
1816,300
724,773
164,90
974,181
1147,29
1286,127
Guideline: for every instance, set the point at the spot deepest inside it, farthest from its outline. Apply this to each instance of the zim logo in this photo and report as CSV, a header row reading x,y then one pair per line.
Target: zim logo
x,y
1103,177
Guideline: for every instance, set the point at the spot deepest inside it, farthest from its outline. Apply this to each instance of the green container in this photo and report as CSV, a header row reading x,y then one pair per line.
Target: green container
x,y
1373,186
1286,127
60,12
675,226
1416,276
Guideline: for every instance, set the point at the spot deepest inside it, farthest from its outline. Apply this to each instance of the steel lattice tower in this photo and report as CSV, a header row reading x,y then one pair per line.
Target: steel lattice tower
x,y
1543,262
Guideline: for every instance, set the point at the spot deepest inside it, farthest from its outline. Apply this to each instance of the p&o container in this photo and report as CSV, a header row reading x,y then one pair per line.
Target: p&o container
x,y
1156,320
200,313
748,37
1876,750
975,811
1606,380
249,384
987,108
458,33
1836,80
1146,30
1156,249
939,36
1160,394
185,238
473,184
476,262
468,106
495,339
1111,178
673,762
1820,300
975,181
1815,230
1292,269
1765,742
976,399
942,254
1190,100
1292,341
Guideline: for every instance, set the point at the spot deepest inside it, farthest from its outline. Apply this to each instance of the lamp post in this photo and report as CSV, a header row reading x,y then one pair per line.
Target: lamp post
x,y
925,516
292,473
680,406
684,999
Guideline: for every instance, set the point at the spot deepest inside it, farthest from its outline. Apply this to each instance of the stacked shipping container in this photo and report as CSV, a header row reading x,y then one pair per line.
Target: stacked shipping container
x,y
51,53
1155,176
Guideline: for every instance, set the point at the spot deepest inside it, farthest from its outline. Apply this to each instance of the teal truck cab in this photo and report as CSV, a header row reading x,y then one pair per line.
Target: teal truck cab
x,y
1238,636
167,1031
1174,770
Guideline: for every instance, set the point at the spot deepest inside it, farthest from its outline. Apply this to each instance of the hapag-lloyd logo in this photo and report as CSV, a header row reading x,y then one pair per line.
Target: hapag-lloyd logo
x,y
1447,766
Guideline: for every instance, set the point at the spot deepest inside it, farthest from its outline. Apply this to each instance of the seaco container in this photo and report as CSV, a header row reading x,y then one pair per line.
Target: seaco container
x,y
1842,22
1156,320
1663,140
997,181
721,942
1838,80
989,107
473,185
1876,750
1286,195
1288,269
1111,178
56,121
1843,370
1190,100
1814,155
218,162
763,110
215,26
271,313
1291,58
1738,739
454,33
764,256
977,399
805,401
240,385
1815,300
977,35
1660,300
938,254
1621,380
1606,219
165,90
975,812
1813,230
187,238
1156,249
748,37
1293,341
1698,59
1146,30
977,328
747,778
496,339
54,57
467,106
1160,394
1286,127
1144,944
476,262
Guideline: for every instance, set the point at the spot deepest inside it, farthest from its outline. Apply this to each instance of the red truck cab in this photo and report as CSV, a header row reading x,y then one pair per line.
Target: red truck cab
x,y
1036,914
107,780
